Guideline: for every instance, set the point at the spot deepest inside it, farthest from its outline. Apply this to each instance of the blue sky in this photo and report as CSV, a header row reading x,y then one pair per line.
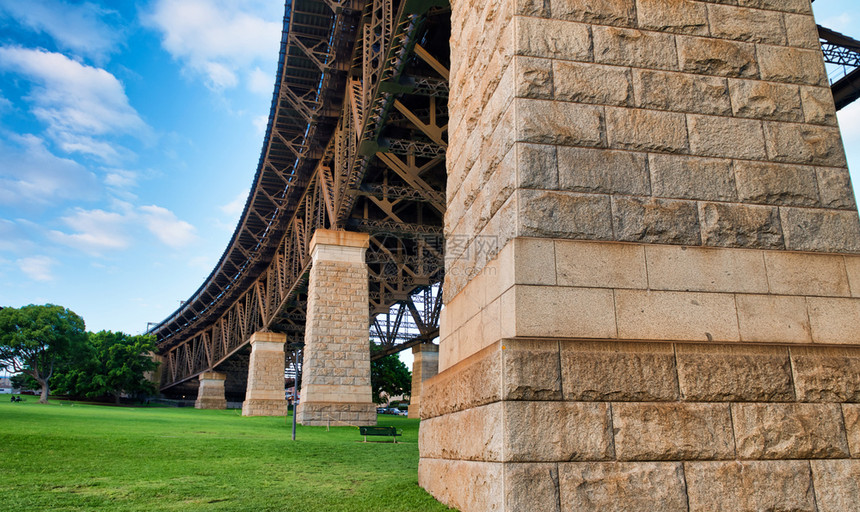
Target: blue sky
x,y
129,135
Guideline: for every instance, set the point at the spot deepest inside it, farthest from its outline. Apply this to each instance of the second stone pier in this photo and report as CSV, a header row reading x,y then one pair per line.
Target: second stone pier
x,y
336,367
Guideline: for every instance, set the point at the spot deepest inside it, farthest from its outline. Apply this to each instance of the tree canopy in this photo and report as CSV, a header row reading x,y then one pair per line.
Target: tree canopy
x,y
114,363
35,340
389,375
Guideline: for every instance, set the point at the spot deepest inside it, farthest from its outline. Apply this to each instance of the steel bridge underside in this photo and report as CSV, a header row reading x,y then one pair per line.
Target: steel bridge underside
x,y
356,140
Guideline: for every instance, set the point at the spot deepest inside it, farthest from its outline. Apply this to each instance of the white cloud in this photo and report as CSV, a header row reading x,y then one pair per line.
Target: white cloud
x,y
261,123
235,207
218,39
94,231
164,224
80,27
37,268
15,238
260,82
31,174
121,179
78,102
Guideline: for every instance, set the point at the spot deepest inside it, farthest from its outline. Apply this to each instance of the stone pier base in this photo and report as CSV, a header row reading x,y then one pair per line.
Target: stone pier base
x,y
425,364
336,372
337,413
210,393
266,393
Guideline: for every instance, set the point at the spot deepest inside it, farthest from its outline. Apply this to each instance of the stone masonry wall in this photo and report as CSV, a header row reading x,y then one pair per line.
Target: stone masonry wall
x,y
210,393
659,121
265,395
573,425
652,287
336,365
425,365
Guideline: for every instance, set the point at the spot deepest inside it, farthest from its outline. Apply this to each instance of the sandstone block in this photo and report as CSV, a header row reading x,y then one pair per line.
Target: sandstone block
x,y
801,31
684,177
826,374
851,413
734,373
683,316
601,265
469,383
532,486
766,100
837,485
767,183
471,434
804,144
556,39
834,320
789,431
772,318
682,16
797,6
741,24
639,129
637,48
622,486
531,370
681,92
464,485
654,220
672,431
718,57
818,107
605,371
703,269
821,230
806,274
562,312
852,265
591,83
557,431
726,137
791,65
534,261
602,171
740,225
533,78
734,486
537,166
604,12
558,122
834,188
564,215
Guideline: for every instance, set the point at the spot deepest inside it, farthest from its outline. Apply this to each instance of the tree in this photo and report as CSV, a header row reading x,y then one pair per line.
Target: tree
x,y
389,375
117,364
34,340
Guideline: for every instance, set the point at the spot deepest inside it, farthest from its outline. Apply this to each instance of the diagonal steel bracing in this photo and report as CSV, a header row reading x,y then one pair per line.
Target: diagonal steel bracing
x,y
356,140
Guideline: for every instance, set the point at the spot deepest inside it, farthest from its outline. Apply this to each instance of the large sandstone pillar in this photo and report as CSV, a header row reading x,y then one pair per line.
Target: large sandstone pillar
x,y
210,393
265,395
652,282
425,364
336,361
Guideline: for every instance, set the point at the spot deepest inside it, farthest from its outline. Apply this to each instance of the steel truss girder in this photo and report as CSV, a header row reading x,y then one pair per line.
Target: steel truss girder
x,y
310,182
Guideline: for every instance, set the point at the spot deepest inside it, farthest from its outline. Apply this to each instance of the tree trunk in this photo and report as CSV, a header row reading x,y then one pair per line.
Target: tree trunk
x,y
43,398
116,398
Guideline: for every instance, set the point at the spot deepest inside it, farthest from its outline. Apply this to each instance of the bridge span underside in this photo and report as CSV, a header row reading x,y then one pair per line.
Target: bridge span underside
x,y
645,226
356,141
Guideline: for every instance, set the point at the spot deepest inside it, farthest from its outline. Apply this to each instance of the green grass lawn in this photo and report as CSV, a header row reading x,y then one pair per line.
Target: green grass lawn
x,y
85,457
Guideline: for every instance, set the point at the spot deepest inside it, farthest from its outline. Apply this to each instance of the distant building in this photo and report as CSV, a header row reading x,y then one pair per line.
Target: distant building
x,y
6,386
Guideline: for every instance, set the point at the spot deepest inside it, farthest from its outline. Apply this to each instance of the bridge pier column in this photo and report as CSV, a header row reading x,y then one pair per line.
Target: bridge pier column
x,y
210,393
652,275
265,395
336,360
425,364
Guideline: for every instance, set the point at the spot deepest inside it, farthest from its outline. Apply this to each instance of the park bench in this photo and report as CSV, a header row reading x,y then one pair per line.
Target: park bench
x,y
380,431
